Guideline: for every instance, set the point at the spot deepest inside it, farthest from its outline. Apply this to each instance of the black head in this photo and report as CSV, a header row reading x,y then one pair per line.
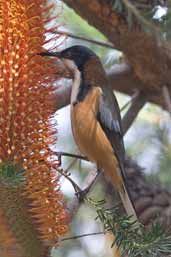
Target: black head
x,y
79,54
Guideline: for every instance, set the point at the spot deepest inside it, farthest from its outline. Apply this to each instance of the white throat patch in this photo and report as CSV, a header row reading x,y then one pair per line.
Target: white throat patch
x,y
77,78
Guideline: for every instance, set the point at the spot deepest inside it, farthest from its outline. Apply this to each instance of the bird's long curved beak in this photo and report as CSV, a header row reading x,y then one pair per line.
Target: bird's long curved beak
x,y
66,72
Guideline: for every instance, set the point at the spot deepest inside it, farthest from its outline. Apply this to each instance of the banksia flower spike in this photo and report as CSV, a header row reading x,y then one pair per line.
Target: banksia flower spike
x,y
27,131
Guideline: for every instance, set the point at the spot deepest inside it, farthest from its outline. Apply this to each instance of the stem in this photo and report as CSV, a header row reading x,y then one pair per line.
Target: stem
x,y
83,235
71,155
133,111
130,101
167,98
82,194
65,33
66,174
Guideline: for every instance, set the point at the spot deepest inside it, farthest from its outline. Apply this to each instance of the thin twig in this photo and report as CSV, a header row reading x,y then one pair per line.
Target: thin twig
x,y
66,174
70,165
83,235
70,155
65,33
167,98
137,104
74,205
81,194
130,101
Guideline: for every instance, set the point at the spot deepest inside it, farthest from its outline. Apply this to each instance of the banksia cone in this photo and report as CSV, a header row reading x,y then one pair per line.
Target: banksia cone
x,y
26,127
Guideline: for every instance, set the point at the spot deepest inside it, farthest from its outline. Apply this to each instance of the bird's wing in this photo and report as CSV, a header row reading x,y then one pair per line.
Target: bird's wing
x,y
110,121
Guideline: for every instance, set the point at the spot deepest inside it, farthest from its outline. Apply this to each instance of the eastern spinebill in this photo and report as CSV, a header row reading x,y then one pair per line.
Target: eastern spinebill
x,y
95,117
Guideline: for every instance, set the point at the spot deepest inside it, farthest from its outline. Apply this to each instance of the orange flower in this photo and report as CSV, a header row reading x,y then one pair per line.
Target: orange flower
x,y
18,235
7,242
26,111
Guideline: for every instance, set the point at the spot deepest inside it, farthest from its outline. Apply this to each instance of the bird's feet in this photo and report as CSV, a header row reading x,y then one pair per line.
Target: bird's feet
x,y
81,194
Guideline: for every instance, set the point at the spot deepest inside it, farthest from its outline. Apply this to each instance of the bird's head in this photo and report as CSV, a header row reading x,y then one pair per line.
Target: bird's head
x,y
73,57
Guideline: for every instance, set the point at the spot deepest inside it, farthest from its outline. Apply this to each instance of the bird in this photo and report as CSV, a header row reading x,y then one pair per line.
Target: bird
x,y
95,118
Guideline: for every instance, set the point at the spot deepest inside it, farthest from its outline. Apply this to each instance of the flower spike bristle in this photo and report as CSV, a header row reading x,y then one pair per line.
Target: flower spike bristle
x,y
26,131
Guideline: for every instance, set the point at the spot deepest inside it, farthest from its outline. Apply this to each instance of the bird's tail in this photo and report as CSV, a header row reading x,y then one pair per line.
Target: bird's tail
x,y
126,196
127,203
119,181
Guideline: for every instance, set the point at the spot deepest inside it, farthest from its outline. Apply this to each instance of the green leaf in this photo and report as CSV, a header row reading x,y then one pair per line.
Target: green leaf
x,y
135,241
10,173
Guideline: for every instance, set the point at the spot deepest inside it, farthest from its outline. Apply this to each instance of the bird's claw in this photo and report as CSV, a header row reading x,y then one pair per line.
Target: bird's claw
x,y
81,194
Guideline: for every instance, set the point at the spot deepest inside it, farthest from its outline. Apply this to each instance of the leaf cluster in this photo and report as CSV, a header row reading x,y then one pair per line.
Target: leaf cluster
x,y
134,241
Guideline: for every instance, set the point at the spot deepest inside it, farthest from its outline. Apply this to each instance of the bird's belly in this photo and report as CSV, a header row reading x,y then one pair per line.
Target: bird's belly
x,y
89,136
93,143
84,129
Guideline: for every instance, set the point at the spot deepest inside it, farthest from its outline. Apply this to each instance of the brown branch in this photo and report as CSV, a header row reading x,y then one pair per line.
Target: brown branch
x,y
122,79
137,104
129,102
167,98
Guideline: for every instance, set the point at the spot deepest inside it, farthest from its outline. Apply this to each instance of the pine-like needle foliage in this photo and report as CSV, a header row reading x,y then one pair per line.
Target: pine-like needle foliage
x,y
134,241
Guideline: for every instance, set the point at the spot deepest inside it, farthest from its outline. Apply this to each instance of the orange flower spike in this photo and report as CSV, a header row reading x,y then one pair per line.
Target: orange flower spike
x,y
7,242
18,235
26,107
